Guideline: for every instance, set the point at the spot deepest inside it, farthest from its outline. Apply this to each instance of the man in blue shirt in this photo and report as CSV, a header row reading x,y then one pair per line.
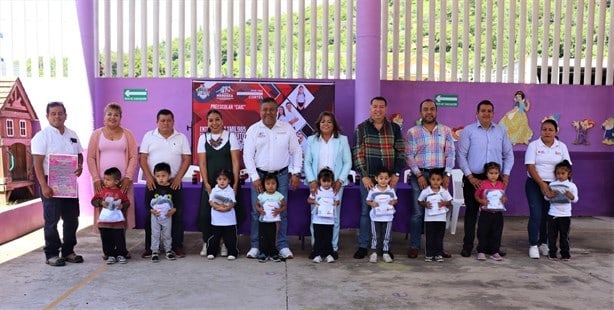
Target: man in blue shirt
x,y
480,143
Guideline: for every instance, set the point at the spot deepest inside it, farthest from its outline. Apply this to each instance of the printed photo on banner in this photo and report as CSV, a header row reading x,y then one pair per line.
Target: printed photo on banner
x,y
299,104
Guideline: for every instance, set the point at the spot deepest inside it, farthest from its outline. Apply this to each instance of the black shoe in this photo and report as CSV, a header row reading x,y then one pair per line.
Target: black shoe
x,y
465,253
361,253
74,258
448,255
335,255
391,255
502,253
312,255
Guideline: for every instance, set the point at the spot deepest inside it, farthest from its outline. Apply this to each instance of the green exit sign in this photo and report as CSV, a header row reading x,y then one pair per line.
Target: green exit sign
x,y
135,94
446,100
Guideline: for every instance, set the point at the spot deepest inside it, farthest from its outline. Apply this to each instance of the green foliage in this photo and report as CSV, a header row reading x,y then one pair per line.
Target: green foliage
x,y
271,61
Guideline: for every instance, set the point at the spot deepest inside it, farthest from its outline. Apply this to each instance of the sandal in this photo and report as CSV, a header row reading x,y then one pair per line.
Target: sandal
x,y
74,258
55,261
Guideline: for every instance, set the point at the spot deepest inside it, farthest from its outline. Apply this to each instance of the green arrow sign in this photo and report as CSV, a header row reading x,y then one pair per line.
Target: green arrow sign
x,y
446,100
135,94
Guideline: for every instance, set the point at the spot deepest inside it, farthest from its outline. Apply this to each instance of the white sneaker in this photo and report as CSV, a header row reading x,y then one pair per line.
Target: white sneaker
x,y
223,251
203,252
111,260
387,258
534,252
231,257
121,259
210,256
252,253
544,250
286,253
373,257
330,259
317,259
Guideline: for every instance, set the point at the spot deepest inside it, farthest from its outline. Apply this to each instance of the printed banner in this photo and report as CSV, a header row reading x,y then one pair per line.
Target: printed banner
x,y
239,103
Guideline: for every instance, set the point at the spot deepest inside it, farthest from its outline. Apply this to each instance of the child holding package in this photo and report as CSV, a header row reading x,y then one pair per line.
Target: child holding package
x,y
162,207
269,204
323,204
381,198
223,218
491,197
562,193
112,220
436,200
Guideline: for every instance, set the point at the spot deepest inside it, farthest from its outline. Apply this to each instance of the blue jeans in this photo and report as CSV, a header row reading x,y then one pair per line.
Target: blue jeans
x,y
282,238
364,232
416,224
538,213
336,226
68,210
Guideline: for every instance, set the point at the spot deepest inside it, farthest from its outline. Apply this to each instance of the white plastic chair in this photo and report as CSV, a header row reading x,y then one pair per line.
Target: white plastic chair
x,y
353,175
458,199
243,172
406,175
187,177
140,178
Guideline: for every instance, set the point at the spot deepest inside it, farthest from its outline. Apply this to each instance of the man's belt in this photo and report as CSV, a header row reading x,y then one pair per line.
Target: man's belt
x,y
276,172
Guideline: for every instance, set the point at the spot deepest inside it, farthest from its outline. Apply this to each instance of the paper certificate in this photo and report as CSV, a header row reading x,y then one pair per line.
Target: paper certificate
x,y
435,209
494,199
268,207
559,194
326,207
62,178
383,205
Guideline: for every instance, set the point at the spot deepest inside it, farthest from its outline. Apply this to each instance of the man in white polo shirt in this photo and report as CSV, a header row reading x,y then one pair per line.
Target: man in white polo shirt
x,y
271,147
57,139
165,144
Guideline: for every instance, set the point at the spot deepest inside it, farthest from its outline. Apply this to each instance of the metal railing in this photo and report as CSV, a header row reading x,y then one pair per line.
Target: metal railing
x,y
523,41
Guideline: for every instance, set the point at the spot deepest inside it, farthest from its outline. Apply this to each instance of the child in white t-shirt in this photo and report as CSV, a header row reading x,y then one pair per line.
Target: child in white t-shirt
x,y
436,200
223,219
562,193
381,198
270,204
323,204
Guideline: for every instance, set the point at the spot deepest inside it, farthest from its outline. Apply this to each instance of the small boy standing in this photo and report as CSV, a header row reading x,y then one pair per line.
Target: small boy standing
x,y
381,198
162,207
112,220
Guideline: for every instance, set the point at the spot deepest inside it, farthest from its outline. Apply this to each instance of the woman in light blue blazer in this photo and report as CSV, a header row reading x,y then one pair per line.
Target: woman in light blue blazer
x,y
328,148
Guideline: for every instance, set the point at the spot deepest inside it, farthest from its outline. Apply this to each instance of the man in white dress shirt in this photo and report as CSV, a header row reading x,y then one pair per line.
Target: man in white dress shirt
x,y
57,139
165,144
271,147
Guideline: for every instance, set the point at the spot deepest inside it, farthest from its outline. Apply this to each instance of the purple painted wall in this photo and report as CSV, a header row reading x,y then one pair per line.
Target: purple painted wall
x,y
20,220
592,164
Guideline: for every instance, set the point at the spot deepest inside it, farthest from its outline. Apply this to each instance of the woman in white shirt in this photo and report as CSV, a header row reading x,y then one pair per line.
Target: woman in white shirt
x,y
540,158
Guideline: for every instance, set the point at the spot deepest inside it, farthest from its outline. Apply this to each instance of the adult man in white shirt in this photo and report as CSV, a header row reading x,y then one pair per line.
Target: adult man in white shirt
x,y
57,139
165,144
270,147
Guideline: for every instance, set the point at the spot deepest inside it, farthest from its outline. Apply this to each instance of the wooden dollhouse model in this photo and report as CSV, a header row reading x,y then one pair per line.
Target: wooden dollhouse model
x,y
16,119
